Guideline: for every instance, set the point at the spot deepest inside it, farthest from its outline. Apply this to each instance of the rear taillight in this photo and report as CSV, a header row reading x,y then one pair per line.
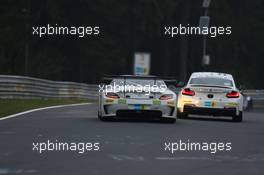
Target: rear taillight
x,y
166,97
233,94
112,95
188,91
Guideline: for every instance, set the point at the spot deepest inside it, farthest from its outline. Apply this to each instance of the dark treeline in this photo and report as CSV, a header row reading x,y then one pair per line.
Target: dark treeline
x,y
128,26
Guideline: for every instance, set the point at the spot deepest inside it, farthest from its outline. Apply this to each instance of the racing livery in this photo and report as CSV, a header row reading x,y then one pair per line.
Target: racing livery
x,y
210,93
136,95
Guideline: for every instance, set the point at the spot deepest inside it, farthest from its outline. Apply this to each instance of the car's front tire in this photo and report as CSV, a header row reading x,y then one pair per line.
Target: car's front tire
x,y
238,118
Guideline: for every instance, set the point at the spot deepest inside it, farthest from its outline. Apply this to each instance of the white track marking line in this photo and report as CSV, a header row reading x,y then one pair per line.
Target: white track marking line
x,y
125,157
16,171
216,158
39,109
182,158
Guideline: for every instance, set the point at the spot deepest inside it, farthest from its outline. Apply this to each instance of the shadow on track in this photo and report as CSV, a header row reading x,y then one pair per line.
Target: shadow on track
x,y
209,118
134,119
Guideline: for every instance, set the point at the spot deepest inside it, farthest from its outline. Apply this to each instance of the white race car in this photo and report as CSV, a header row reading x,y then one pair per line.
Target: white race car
x,y
128,95
210,93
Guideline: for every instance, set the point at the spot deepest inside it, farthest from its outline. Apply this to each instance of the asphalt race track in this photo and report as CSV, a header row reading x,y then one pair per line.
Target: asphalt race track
x,y
129,146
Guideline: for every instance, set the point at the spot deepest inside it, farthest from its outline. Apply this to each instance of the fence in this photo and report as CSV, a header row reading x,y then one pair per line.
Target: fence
x,y
257,97
28,87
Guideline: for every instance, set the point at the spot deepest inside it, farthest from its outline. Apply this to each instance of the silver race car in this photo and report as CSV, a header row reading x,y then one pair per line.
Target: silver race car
x,y
209,93
129,95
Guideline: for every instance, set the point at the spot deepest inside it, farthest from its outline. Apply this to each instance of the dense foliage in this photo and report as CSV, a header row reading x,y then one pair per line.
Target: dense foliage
x,y
129,26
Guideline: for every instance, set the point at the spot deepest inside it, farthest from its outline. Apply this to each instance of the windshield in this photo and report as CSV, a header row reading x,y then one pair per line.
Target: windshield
x,y
211,81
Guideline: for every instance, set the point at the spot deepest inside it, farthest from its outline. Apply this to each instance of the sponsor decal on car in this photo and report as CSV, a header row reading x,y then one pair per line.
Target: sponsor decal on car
x,y
138,107
210,104
121,101
232,104
156,102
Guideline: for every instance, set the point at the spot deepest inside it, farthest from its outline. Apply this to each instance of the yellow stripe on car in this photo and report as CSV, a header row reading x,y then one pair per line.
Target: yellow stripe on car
x,y
170,103
109,100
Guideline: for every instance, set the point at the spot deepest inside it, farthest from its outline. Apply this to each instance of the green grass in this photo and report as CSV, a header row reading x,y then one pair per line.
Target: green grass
x,y
12,106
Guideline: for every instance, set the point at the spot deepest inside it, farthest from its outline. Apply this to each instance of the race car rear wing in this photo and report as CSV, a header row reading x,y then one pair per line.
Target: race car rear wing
x,y
108,78
169,81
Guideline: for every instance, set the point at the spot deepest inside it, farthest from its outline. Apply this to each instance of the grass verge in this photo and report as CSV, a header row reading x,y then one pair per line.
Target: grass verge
x,y
13,106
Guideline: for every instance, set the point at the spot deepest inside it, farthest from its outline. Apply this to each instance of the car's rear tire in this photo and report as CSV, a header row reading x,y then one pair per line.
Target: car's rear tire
x,y
238,118
182,115
100,117
168,120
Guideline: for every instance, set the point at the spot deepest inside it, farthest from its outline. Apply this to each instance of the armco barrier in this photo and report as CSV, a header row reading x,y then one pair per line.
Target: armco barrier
x,y
28,87
257,97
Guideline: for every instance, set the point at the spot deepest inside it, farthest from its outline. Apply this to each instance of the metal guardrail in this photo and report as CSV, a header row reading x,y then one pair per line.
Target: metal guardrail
x,y
255,94
28,87
257,97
